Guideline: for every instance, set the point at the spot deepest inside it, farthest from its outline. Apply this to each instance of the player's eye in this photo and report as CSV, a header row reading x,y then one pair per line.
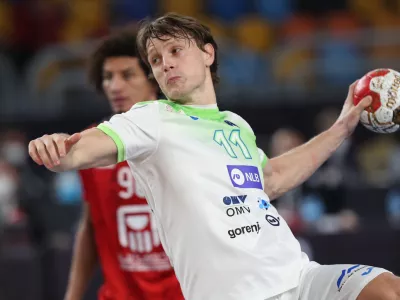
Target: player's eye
x,y
155,60
176,50
107,76
127,75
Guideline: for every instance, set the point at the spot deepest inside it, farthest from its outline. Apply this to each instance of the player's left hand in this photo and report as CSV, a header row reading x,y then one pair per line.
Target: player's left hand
x,y
350,114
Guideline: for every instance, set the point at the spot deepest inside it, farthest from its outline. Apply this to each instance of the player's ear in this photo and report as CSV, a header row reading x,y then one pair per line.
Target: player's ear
x,y
209,54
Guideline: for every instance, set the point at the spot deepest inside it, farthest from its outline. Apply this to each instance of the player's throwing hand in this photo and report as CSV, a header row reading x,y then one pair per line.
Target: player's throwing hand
x,y
350,115
49,149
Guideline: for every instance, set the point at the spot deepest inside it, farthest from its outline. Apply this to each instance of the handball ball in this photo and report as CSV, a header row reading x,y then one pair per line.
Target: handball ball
x,y
382,116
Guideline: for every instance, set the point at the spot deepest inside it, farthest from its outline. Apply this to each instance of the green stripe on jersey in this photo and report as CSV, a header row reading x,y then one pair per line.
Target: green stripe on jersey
x,y
264,161
203,113
117,140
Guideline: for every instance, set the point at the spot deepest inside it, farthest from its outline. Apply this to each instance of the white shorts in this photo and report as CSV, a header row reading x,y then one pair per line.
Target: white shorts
x,y
331,282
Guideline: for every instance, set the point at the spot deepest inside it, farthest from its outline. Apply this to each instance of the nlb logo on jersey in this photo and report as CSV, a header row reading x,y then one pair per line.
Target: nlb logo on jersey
x,y
245,177
236,205
137,228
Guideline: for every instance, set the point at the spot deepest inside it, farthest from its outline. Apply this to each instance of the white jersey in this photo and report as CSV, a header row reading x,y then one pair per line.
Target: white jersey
x,y
201,172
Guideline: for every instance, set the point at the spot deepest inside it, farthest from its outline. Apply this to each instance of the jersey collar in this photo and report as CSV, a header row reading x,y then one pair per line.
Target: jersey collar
x,y
208,112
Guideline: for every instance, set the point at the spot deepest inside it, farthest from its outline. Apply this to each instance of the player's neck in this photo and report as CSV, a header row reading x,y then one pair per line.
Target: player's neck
x,y
203,95
203,99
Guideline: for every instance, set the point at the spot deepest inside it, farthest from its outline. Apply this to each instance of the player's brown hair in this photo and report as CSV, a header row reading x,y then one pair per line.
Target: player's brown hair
x,y
122,43
173,25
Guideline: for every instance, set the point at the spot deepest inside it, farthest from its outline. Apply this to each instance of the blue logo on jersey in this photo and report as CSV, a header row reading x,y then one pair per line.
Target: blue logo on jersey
x,y
369,270
245,177
230,123
347,273
194,118
263,204
232,200
236,205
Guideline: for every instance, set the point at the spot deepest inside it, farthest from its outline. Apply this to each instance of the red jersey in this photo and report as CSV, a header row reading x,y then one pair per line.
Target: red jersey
x,y
134,264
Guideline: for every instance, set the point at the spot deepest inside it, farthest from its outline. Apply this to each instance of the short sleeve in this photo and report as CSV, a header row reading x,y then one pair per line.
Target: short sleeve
x,y
263,157
135,132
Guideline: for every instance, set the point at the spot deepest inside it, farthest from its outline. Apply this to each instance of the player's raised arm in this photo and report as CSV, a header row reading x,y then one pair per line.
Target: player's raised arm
x,y
132,135
61,152
291,169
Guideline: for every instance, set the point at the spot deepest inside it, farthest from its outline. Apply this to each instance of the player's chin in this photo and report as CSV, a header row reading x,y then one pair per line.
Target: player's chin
x,y
119,109
175,95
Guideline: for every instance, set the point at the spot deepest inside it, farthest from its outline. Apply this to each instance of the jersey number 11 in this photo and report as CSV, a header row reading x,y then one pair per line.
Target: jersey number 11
x,y
234,139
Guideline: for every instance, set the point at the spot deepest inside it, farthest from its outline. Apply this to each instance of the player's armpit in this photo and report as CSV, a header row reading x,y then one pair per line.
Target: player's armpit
x,y
271,181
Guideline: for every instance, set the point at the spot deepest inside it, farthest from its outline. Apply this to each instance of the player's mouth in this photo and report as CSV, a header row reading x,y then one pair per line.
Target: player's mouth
x,y
119,100
173,79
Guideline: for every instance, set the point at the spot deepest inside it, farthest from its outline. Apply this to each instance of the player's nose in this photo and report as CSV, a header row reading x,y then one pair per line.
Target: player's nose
x,y
116,84
168,64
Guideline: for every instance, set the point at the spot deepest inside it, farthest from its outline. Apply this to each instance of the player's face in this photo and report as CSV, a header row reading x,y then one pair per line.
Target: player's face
x,y
179,66
125,83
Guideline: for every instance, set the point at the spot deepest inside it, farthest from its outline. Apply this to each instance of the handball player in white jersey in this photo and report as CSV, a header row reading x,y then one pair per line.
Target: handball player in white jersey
x,y
210,188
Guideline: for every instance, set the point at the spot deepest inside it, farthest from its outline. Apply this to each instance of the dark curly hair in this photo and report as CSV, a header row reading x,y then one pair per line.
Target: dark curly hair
x,y
122,43
176,26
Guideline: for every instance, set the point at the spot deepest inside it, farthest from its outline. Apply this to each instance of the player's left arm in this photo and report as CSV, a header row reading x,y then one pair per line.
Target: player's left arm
x,y
293,168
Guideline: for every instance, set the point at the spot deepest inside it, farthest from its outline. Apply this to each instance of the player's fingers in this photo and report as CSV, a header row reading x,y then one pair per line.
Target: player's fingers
x,y
72,140
364,103
350,93
59,141
348,103
43,153
33,153
51,149
351,88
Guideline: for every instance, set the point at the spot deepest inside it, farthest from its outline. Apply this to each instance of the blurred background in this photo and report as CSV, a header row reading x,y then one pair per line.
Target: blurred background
x,y
285,67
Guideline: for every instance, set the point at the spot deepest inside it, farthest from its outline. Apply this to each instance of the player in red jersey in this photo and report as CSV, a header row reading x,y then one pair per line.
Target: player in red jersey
x,y
117,228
